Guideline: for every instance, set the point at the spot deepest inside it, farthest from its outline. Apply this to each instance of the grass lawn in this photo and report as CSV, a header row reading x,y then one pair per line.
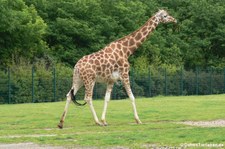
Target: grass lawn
x,y
159,115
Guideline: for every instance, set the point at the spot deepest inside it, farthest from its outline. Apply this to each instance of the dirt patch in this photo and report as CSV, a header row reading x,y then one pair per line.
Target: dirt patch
x,y
31,145
28,136
27,146
215,123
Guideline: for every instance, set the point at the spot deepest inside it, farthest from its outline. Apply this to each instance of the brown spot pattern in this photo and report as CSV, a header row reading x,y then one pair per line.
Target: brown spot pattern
x,y
112,58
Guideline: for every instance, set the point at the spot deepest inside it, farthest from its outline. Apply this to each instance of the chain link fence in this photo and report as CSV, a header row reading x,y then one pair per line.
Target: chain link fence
x,y
37,86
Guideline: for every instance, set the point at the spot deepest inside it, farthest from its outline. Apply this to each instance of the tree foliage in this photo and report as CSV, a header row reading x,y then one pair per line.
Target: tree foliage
x,y
21,31
68,29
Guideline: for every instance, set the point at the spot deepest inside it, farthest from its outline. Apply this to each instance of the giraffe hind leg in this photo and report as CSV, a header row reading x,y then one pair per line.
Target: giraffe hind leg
x,y
68,100
89,86
94,113
77,84
107,99
70,95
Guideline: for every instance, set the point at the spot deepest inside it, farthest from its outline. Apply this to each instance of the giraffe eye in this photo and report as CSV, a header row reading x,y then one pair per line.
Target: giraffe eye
x,y
165,16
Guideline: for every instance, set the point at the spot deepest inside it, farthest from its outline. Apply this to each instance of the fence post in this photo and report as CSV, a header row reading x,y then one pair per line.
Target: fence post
x,y
149,82
181,81
33,84
54,85
197,81
211,80
224,80
165,76
9,87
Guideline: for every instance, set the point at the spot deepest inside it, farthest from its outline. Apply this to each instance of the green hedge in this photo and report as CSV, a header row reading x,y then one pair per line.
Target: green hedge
x,y
38,83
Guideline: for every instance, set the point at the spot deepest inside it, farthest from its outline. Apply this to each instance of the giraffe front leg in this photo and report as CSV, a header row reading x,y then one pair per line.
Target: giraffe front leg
x,y
107,99
126,83
131,96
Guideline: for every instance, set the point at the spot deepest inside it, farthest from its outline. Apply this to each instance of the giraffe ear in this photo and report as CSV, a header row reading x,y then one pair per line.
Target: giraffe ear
x,y
160,9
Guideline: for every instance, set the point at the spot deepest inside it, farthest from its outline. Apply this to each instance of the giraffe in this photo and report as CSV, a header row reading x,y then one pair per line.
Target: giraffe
x,y
109,65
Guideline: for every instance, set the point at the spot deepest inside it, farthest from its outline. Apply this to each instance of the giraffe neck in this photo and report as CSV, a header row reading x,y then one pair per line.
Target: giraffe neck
x,y
132,41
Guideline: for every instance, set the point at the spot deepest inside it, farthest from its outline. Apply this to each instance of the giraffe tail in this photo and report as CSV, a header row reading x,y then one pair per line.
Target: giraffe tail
x,y
74,99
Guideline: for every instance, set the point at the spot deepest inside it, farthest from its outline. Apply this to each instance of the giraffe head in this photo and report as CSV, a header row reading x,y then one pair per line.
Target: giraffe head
x,y
164,17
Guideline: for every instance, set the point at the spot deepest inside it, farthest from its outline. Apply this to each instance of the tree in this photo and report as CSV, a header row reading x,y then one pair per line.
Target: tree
x,y
77,28
21,31
201,34
72,28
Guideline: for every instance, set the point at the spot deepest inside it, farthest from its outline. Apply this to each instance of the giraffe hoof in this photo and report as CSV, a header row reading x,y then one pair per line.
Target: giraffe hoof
x,y
104,123
99,124
138,121
60,126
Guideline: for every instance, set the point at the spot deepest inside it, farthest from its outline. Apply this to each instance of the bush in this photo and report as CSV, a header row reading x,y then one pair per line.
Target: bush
x,y
52,82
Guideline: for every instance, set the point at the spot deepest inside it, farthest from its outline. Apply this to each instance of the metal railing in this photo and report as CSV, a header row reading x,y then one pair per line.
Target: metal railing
x,y
35,87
